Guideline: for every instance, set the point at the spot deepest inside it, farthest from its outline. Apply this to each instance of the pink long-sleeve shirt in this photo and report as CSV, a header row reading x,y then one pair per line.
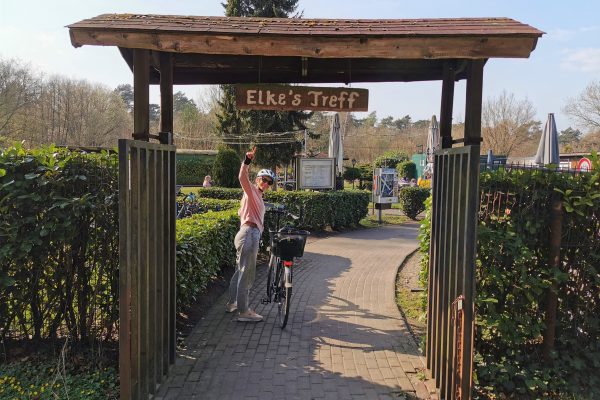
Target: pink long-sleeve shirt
x,y
252,206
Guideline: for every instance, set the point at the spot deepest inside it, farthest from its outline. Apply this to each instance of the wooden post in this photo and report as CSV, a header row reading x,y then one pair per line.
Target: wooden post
x,y
166,98
552,294
473,102
141,94
447,104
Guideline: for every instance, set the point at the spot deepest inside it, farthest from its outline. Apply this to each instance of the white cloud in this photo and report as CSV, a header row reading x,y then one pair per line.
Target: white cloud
x,y
582,60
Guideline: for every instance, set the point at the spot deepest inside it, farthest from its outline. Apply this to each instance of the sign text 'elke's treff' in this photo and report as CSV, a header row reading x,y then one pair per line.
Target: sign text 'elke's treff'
x,y
278,97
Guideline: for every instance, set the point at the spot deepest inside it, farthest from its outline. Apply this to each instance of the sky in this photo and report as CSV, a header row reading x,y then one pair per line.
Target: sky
x,y
565,61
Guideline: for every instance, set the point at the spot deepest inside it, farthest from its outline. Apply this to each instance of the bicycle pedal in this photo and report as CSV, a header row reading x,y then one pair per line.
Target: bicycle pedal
x,y
264,300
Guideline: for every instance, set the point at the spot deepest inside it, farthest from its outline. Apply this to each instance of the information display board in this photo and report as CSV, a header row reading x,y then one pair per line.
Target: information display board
x,y
316,173
385,185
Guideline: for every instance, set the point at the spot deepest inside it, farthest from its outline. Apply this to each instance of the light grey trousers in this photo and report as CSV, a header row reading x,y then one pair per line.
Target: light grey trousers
x,y
246,245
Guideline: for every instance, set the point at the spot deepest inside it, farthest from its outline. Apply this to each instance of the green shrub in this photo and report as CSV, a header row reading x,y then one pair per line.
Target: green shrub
x,y
59,248
412,200
407,169
221,193
192,171
513,277
217,204
204,247
351,173
337,209
226,168
389,159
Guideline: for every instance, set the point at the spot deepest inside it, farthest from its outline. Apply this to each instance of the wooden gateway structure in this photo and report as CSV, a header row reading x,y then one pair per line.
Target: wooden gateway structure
x,y
167,50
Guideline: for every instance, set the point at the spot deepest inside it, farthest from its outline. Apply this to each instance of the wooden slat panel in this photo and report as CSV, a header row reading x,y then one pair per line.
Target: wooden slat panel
x,y
152,283
143,272
124,273
166,246
172,260
134,267
160,257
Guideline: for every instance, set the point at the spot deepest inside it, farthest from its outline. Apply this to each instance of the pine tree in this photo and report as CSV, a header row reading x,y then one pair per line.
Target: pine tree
x,y
234,122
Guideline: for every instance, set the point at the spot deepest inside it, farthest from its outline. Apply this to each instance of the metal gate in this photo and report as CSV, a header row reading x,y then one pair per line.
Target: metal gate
x,y
147,266
450,309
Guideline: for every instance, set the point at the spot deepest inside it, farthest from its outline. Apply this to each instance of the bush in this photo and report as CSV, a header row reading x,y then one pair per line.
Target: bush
x,y
59,253
192,171
226,168
221,193
204,247
407,169
351,174
318,210
412,200
390,159
513,277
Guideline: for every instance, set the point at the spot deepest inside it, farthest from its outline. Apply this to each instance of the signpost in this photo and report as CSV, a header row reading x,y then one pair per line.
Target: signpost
x,y
288,98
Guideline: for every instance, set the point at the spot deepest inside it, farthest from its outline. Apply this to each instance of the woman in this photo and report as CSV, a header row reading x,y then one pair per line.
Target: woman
x,y
252,215
207,181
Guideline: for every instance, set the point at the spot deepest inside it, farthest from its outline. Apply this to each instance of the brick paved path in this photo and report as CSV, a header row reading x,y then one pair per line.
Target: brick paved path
x,y
345,338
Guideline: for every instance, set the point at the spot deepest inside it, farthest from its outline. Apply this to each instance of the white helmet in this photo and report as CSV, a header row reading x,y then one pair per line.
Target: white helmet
x,y
266,172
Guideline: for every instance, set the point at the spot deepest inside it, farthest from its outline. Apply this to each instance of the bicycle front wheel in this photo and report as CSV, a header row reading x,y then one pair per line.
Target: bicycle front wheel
x,y
285,295
271,276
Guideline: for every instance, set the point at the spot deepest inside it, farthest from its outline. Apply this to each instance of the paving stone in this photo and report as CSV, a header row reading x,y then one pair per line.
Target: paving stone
x,y
345,338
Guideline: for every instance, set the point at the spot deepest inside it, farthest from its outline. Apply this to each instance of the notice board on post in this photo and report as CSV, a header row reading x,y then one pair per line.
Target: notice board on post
x,y
315,173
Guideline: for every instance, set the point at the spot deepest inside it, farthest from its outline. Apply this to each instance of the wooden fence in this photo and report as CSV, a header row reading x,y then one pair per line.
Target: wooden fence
x,y
147,266
450,309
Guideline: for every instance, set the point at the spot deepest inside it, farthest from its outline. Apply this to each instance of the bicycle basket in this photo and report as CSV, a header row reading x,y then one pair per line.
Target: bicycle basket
x,y
288,244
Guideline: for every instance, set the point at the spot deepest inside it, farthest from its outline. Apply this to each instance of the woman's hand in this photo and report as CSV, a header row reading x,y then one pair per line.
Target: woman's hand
x,y
250,154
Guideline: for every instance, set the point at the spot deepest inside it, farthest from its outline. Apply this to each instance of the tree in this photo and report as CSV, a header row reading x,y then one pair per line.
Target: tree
x,y
569,136
226,168
181,101
403,123
232,122
585,109
506,123
19,88
126,93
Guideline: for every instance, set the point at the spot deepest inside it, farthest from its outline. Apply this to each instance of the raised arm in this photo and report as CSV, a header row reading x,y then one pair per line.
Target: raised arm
x,y
243,175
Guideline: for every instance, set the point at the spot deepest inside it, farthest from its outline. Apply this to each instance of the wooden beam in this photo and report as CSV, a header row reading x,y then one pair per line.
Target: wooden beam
x,y
473,103
141,95
166,98
447,104
356,46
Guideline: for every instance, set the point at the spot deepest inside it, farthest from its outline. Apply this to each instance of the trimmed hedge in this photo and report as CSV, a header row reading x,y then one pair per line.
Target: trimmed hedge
x,y
412,200
226,168
192,171
204,247
318,210
221,193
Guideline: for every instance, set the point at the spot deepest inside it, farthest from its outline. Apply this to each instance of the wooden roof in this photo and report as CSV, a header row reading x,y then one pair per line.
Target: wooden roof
x,y
219,49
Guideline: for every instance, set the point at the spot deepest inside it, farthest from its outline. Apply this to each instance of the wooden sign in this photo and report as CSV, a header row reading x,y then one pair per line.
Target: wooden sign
x,y
286,98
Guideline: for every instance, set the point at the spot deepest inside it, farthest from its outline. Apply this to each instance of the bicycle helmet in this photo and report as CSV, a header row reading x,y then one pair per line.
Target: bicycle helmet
x,y
266,172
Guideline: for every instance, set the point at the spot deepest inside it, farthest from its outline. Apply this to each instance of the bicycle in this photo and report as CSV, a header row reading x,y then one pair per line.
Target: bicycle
x,y
188,205
285,244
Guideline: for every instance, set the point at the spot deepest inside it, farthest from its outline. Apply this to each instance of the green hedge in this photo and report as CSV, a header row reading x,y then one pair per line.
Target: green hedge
x,y
59,244
221,193
192,171
204,247
217,204
513,278
412,200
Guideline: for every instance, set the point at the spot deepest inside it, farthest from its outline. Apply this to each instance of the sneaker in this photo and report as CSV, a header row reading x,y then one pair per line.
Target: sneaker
x,y
230,307
249,316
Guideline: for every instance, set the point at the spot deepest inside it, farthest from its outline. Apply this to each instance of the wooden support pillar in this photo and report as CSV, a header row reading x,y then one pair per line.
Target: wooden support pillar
x,y
141,94
474,102
166,98
447,103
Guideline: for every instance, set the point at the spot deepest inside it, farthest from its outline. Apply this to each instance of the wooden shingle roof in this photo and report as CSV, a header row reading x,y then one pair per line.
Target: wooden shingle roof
x,y
378,50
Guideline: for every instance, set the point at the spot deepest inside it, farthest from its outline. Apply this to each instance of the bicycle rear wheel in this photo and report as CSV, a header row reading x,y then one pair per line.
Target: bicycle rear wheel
x,y
271,276
285,295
